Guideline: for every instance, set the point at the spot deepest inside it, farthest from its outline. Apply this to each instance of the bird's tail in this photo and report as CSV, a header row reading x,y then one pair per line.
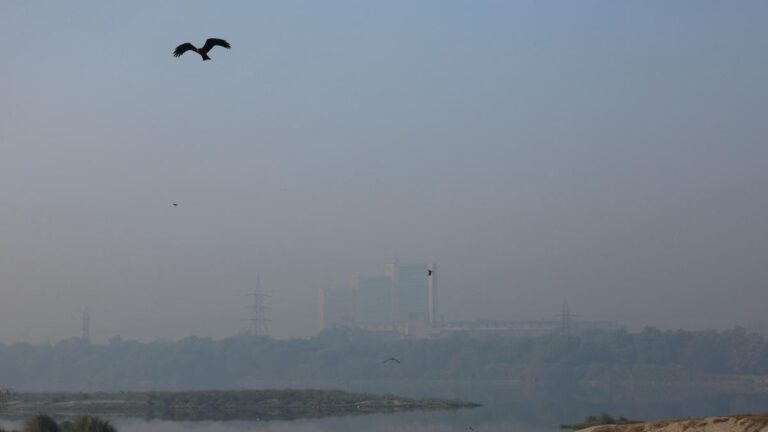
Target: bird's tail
x,y
205,57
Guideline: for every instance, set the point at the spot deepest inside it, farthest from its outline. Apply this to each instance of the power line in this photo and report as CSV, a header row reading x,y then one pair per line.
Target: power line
x,y
258,318
566,319
86,330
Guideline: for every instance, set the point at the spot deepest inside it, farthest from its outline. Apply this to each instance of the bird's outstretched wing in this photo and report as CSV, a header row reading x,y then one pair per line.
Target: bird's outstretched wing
x,y
181,49
212,42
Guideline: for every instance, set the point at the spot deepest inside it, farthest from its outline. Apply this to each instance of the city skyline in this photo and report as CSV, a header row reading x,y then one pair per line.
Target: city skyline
x,y
607,153
405,292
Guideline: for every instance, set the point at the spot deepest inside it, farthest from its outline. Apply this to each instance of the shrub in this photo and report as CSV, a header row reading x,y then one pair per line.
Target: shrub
x,y
40,423
86,423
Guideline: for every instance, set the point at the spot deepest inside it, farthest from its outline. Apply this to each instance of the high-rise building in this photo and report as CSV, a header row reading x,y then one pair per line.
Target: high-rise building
x,y
337,308
373,299
404,298
414,291
432,292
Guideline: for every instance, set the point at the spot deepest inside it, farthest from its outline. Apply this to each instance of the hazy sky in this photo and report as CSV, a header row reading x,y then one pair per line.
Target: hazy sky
x,y
610,153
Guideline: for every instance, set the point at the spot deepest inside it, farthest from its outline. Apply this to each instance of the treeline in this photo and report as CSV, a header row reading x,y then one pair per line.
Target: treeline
x,y
337,356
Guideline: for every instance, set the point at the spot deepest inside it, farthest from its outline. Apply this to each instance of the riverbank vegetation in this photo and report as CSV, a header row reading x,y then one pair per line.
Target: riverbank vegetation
x,y
246,361
80,423
598,420
220,404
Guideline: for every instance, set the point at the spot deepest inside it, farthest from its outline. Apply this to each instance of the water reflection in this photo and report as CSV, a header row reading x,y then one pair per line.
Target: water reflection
x,y
411,422
550,405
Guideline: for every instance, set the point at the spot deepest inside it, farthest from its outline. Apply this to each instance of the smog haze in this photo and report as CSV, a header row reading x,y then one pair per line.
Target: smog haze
x,y
608,154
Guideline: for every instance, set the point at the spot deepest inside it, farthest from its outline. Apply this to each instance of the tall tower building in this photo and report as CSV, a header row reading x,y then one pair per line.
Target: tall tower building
x,y
390,271
373,299
432,291
414,295
337,308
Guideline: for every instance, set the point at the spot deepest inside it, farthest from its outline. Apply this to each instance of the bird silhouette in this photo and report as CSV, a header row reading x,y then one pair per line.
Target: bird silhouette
x,y
210,43
429,272
175,204
392,359
470,428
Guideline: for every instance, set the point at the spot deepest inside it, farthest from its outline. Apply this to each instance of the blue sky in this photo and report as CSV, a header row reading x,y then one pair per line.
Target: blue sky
x,y
607,153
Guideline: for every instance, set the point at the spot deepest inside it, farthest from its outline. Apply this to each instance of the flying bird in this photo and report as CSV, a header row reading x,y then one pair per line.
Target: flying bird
x,y
210,43
429,272
392,359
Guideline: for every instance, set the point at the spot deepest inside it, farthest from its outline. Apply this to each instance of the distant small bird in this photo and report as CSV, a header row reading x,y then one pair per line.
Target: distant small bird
x,y
429,272
210,43
470,428
392,359
175,204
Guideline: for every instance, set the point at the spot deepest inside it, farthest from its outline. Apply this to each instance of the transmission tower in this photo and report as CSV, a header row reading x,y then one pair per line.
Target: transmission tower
x,y
566,319
259,311
86,331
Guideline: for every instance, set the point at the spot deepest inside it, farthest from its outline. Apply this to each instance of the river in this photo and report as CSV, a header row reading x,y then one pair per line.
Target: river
x,y
506,407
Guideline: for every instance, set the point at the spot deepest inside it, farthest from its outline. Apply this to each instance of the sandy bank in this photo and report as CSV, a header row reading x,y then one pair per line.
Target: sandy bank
x,y
735,423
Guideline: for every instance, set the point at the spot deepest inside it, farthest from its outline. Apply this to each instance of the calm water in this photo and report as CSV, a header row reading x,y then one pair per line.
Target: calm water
x,y
506,408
